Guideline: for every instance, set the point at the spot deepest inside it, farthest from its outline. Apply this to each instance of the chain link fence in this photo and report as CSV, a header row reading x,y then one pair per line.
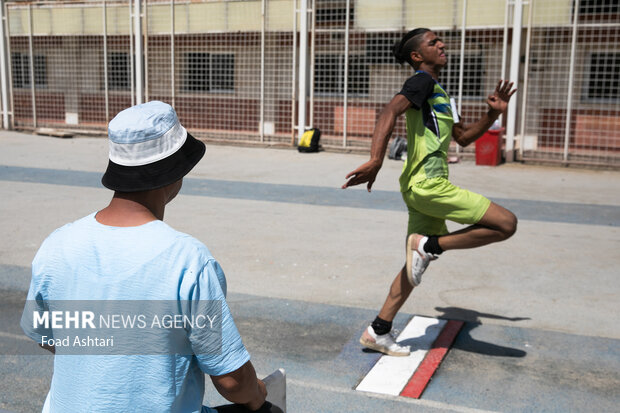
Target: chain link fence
x,y
231,67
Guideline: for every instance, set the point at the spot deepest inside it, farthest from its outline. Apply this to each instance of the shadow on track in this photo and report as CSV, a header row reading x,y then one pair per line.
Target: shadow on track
x,y
466,342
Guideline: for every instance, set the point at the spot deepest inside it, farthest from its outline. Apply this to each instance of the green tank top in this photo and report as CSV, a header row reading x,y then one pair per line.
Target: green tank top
x,y
429,123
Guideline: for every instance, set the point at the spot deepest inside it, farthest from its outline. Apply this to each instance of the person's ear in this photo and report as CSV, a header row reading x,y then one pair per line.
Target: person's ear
x,y
416,57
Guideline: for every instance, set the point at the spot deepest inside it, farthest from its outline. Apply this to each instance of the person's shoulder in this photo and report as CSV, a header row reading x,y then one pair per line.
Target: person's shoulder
x,y
77,224
67,231
419,78
61,239
418,88
201,269
188,243
188,259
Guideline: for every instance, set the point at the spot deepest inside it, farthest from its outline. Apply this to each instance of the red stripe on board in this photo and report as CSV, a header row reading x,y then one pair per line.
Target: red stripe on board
x,y
426,369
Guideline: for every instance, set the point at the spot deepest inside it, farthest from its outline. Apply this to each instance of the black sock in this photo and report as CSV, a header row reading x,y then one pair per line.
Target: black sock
x,y
432,246
381,326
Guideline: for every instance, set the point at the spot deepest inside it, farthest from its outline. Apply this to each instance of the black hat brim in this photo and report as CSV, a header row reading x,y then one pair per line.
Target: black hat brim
x,y
157,174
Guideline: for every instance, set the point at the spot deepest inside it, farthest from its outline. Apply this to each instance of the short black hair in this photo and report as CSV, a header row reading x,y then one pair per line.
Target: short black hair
x,y
410,42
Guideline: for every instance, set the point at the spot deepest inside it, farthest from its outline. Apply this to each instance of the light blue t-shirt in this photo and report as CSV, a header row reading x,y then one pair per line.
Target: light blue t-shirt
x,y
86,260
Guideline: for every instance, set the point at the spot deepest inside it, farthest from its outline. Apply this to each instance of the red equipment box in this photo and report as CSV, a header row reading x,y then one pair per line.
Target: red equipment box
x,y
489,148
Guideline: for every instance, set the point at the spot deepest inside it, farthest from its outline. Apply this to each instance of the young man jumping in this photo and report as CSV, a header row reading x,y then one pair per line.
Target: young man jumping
x,y
430,197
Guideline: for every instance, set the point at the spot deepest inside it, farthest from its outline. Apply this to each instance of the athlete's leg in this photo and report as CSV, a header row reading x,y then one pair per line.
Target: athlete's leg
x,y
497,224
401,288
377,336
398,294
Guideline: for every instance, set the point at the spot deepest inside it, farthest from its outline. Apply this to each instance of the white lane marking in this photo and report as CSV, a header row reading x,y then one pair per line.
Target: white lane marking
x,y
391,374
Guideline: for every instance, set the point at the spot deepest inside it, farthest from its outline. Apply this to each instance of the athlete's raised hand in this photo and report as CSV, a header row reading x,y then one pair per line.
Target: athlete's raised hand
x,y
498,101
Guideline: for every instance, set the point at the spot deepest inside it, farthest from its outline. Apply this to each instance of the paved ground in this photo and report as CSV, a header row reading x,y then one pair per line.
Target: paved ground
x,y
308,265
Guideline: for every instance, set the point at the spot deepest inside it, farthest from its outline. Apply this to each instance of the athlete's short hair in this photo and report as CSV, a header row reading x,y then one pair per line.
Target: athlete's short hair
x,y
409,43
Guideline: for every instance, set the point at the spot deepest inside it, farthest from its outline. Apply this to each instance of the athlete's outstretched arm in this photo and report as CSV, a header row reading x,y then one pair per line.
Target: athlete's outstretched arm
x,y
380,137
498,102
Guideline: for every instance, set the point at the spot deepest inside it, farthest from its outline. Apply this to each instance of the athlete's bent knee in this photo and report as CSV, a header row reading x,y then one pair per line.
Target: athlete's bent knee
x,y
509,225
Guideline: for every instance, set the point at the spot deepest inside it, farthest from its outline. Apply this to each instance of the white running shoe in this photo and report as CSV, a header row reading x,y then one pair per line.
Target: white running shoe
x,y
383,343
417,258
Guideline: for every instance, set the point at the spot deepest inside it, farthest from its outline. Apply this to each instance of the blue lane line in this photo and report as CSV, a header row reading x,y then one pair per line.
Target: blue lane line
x,y
574,213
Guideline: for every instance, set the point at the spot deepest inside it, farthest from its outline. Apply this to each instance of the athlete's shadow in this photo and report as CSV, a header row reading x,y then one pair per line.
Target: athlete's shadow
x,y
466,342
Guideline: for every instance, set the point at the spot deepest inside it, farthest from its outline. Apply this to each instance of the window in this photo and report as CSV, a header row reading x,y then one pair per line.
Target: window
x,y
196,75
598,7
473,74
209,72
329,75
222,72
20,67
604,79
359,76
118,71
599,11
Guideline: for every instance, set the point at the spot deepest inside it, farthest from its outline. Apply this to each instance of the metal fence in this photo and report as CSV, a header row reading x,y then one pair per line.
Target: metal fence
x,y
571,102
265,70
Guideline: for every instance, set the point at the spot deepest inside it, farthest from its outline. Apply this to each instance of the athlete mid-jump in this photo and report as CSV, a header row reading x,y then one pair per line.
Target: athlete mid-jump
x,y
430,197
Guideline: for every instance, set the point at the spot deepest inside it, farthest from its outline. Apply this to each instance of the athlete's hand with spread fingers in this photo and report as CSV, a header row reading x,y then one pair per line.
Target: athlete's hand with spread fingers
x,y
365,173
498,101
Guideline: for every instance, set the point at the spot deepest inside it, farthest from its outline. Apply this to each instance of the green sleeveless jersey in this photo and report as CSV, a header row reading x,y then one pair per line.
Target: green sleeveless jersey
x,y
429,130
